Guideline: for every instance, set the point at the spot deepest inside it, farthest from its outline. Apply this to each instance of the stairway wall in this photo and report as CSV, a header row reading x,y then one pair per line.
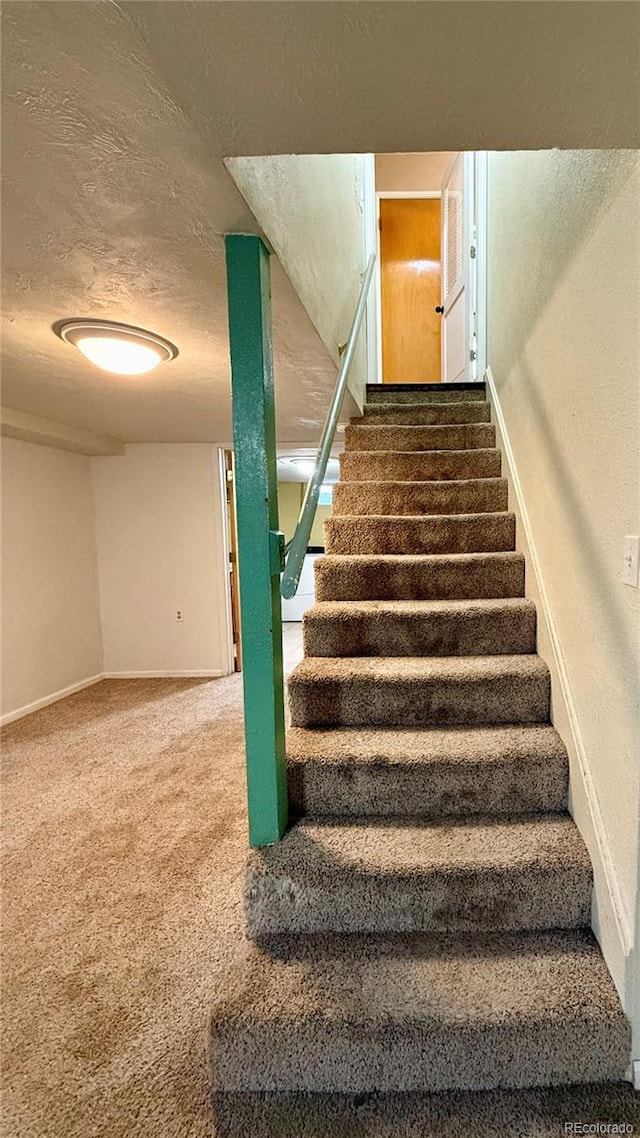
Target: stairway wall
x,y
564,354
310,208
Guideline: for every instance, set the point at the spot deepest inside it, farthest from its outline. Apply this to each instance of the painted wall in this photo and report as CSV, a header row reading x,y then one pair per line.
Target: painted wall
x,y
310,208
159,531
412,172
564,350
50,605
290,496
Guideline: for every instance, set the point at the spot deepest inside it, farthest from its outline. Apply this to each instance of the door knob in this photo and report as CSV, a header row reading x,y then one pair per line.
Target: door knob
x,y
439,307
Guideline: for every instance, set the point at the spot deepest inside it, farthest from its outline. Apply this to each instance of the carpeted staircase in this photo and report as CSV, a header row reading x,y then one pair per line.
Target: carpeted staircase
x,y
424,925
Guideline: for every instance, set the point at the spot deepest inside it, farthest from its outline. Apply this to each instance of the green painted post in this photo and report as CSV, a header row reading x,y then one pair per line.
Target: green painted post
x,y
260,544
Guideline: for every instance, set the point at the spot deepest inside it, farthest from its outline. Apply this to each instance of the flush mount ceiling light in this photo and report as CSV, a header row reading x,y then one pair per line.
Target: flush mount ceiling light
x,y
300,467
119,348
304,465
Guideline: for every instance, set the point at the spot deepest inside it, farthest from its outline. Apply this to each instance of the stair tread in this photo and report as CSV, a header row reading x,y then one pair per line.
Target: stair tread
x,y
360,424
422,483
426,437
326,850
445,979
419,455
408,407
418,558
359,428
436,385
404,874
435,519
319,669
440,465
340,610
406,576
371,1011
463,411
430,412
413,533
426,745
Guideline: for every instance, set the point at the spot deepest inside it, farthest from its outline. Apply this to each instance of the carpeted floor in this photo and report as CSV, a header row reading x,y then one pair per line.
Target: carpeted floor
x,y
123,855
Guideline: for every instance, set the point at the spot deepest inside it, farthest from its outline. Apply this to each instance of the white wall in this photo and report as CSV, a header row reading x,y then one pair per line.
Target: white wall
x,y
50,605
310,206
564,350
159,530
412,172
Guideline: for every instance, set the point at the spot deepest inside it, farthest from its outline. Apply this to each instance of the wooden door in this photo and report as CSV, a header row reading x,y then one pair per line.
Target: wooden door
x,y
411,286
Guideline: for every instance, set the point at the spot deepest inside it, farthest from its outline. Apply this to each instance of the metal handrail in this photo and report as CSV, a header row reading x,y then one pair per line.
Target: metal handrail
x,y
298,545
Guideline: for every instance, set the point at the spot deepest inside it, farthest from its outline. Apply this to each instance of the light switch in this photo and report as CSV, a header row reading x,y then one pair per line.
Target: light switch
x,y
631,560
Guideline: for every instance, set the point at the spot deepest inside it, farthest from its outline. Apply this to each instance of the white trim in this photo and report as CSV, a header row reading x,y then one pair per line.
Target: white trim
x,y
46,700
610,914
227,616
160,674
56,696
369,221
377,285
482,231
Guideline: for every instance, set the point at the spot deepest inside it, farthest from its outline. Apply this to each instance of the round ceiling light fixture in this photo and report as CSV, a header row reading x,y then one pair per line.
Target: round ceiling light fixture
x,y
119,348
304,465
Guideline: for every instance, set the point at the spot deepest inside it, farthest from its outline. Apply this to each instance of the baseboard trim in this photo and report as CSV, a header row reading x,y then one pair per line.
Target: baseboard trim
x,y
618,926
46,700
38,704
191,674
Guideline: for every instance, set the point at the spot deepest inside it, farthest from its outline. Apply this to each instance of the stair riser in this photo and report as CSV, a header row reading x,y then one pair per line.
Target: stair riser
x,y
394,466
438,902
485,495
399,580
438,634
444,534
418,703
345,1056
426,414
435,790
386,393
398,438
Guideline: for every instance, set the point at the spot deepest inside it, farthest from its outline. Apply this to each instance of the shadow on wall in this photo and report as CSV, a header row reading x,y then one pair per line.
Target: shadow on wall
x,y
554,191
582,530
573,189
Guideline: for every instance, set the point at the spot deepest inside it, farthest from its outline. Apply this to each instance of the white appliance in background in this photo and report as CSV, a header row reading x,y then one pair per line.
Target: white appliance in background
x,y
306,596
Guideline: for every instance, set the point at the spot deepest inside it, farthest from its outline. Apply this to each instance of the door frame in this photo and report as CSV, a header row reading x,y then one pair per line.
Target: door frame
x,y
377,287
227,614
370,230
481,190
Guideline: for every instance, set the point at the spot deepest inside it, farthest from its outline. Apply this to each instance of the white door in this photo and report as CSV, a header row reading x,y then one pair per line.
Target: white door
x,y
459,286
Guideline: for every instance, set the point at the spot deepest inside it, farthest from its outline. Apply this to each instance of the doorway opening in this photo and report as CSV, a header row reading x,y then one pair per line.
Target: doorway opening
x,y
429,223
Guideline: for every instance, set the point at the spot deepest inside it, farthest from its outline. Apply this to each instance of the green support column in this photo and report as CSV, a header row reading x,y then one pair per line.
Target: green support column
x,y
260,544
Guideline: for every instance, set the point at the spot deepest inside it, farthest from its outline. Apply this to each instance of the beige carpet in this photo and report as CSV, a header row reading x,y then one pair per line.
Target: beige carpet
x,y
124,846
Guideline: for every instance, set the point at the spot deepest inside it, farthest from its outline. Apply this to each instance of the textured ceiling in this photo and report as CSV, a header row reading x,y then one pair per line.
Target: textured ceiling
x,y
114,207
116,120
